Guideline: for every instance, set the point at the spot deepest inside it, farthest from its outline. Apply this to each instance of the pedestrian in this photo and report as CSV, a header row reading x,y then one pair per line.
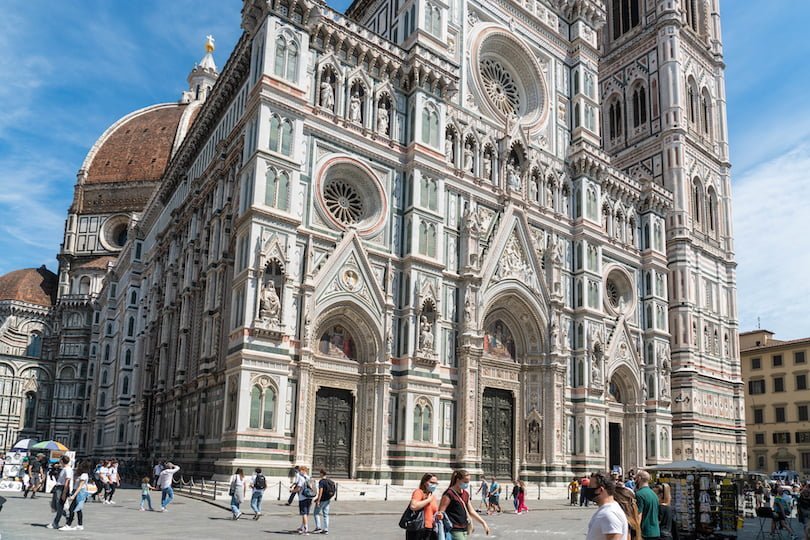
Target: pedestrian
x,y
294,484
494,496
35,470
305,496
609,522
104,474
627,501
515,490
78,497
456,506
237,492
165,485
323,500
573,491
145,496
759,494
584,482
483,489
258,483
60,492
114,481
781,512
647,503
666,519
156,470
521,497
423,499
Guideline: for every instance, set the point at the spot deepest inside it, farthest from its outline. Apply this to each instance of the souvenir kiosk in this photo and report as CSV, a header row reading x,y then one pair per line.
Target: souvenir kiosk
x,y
704,498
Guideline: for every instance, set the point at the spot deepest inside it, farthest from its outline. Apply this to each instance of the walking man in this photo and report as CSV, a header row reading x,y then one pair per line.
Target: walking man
x,y
63,487
647,502
35,470
165,484
609,521
583,483
294,485
258,483
326,490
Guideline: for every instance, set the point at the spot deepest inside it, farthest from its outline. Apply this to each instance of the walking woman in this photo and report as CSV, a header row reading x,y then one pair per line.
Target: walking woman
x,y
456,506
627,500
424,500
237,492
76,500
521,498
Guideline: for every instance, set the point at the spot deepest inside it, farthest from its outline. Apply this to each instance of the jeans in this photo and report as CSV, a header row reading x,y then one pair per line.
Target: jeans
x,y
322,508
167,496
76,509
236,500
145,497
256,501
58,505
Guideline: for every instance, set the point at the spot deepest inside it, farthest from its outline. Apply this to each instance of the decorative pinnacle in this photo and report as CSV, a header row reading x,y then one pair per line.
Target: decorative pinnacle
x,y
209,44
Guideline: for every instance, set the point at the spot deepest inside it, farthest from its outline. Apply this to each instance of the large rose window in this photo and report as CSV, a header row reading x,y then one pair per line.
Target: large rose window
x,y
350,194
500,86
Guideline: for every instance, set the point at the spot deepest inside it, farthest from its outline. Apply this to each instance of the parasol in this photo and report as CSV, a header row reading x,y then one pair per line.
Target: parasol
x,y
23,445
50,445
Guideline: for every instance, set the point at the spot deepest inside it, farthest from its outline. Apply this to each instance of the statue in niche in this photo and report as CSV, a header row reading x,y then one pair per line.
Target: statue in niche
x,y
468,158
555,336
664,380
564,334
448,148
471,232
487,167
355,114
512,176
556,264
467,312
425,334
596,371
534,437
269,303
382,120
327,95
549,195
565,204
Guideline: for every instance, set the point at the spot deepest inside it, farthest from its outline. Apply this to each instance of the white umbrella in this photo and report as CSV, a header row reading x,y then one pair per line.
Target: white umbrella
x,y
23,445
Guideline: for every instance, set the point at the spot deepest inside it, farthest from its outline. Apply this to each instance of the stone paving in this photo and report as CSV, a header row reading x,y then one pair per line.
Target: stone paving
x,y
188,518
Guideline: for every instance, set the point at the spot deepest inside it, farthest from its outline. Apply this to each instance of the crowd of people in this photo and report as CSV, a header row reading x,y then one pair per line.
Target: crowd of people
x,y
781,501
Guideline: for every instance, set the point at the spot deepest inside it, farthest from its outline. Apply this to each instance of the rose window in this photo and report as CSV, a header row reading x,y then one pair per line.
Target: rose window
x,y
343,202
500,86
613,294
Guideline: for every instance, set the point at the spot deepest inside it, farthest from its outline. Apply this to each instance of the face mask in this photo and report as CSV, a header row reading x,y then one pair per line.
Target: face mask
x,y
432,487
465,485
590,493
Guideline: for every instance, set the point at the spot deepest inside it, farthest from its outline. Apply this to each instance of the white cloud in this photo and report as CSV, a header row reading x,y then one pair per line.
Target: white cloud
x,y
772,239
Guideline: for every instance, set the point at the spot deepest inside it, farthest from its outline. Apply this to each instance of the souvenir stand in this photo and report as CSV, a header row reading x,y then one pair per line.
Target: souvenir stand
x,y
704,498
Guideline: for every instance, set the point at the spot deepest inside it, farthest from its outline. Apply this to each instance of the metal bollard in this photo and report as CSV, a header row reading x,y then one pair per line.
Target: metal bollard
x,y
538,491
386,492
336,490
279,490
215,490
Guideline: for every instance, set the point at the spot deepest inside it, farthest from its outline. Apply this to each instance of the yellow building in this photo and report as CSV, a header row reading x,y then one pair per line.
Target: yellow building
x,y
777,403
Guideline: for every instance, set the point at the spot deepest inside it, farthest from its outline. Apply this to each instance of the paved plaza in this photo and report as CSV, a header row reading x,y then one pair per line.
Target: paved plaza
x,y
188,518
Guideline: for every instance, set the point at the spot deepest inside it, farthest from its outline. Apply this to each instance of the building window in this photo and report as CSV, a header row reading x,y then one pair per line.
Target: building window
x,y
430,126
286,65
777,360
779,413
639,106
128,358
805,461
626,15
131,327
781,438
30,409
778,384
421,422
760,462
756,387
281,131
433,20
262,407
125,386
277,185
756,363
427,239
428,195
801,382
448,423
758,416
759,438
798,357
802,412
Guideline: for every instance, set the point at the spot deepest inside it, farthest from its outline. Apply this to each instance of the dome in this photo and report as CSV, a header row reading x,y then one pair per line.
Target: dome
x,y
138,147
32,286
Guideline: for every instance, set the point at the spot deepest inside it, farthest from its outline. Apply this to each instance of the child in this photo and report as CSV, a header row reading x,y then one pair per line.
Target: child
x,y
145,487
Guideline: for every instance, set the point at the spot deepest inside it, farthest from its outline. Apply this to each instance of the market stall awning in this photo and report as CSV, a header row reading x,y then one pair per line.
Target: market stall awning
x,y
50,445
692,465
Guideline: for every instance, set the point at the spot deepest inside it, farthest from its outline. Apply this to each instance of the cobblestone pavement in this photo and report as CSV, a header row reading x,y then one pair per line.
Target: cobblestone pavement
x,y
188,518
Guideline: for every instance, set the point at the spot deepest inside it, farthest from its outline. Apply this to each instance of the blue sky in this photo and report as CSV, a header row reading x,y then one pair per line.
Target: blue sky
x,y
70,69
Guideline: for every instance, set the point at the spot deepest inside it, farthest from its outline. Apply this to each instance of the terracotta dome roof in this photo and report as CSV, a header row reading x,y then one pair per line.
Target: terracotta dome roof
x,y
32,285
137,147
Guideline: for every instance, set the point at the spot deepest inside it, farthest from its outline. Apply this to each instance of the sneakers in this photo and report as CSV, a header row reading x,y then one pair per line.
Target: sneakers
x,y
325,531
237,516
317,530
257,515
49,526
142,509
79,527
66,528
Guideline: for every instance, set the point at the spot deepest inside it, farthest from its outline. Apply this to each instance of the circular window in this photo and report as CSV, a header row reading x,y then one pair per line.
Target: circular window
x,y
508,77
350,195
500,86
114,232
619,291
343,202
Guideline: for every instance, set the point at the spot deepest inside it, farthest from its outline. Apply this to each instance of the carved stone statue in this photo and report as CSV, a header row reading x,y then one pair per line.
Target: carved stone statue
x,y
555,336
425,335
382,120
448,149
534,437
327,95
564,335
467,311
487,168
468,158
470,235
596,370
269,303
513,177
549,196
565,204
354,109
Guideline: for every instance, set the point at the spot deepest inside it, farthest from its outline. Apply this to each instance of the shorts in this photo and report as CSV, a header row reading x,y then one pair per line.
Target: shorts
x,y
303,506
494,499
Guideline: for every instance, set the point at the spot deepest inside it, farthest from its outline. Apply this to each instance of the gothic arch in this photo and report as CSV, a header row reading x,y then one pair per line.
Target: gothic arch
x,y
358,321
524,316
624,385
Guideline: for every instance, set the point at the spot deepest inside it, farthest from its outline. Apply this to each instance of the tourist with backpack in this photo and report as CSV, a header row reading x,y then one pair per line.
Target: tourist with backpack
x,y
326,492
258,483
305,495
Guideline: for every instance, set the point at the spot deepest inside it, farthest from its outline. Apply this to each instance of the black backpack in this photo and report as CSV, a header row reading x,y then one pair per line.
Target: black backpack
x,y
261,482
329,490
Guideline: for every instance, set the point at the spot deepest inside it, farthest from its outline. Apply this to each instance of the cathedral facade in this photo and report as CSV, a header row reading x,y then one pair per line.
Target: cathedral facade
x,y
418,235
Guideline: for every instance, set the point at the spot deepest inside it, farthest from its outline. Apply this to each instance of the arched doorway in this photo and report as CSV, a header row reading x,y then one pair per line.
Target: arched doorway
x,y
332,445
622,428
498,432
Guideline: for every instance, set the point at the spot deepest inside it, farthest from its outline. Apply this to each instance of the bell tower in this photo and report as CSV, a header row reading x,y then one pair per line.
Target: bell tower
x,y
664,119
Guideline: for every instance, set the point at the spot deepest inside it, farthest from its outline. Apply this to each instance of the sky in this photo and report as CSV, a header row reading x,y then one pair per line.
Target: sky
x,y
68,70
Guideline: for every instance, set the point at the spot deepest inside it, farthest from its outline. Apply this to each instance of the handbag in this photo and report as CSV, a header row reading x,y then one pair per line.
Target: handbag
x,y
412,521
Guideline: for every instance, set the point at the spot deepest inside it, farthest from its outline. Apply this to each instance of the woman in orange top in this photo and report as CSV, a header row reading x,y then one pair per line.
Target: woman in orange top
x,y
424,499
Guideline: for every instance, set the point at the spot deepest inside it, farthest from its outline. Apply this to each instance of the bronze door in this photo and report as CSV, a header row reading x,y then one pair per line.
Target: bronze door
x,y
497,435
332,447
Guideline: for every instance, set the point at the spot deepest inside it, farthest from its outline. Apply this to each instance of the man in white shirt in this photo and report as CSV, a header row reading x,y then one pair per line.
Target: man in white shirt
x,y
156,470
165,484
63,487
609,521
